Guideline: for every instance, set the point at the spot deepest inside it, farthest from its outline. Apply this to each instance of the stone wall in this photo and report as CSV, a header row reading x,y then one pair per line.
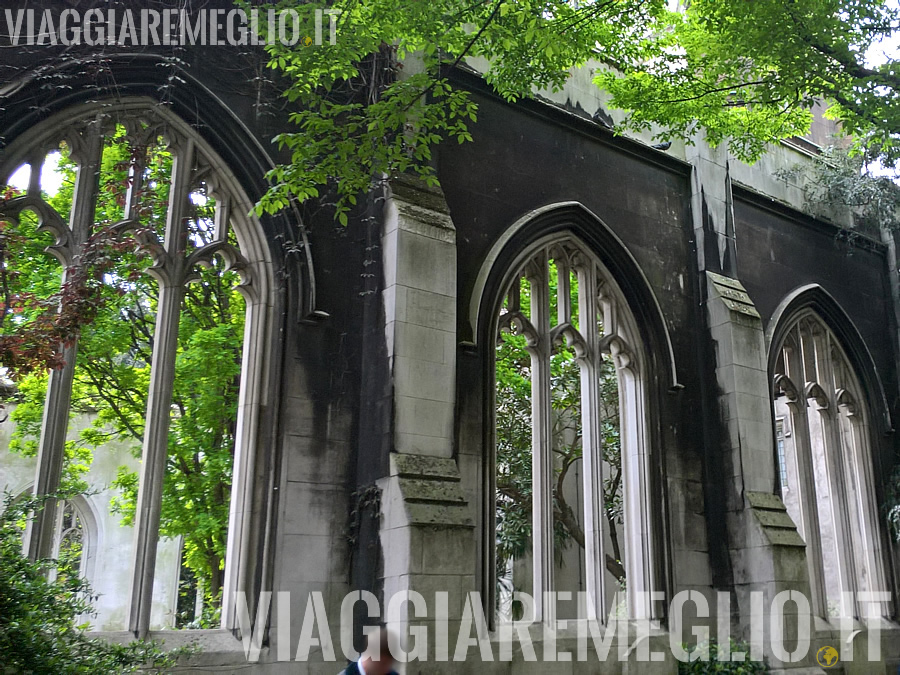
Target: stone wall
x,y
374,446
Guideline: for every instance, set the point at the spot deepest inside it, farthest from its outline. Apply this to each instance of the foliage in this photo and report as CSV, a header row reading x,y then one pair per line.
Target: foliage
x,y
707,654
378,100
838,181
115,352
750,71
43,619
514,445
45,322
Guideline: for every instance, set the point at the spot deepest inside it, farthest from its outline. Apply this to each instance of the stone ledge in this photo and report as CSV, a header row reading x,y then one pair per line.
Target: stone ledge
x,y
732,294
218,647
431,490
423,209
406,465
439,515
722,281
777,519
766,500
426,222
772,515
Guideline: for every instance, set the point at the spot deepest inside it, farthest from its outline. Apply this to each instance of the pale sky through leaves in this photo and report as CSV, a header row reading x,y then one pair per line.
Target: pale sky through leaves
x,y
51,177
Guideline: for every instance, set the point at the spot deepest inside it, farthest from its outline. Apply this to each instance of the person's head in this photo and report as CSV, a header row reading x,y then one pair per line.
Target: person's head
x,y
377,658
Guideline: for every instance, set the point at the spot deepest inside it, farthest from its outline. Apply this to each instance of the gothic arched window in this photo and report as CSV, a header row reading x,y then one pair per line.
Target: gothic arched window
x,y
75,534
571,482
170,364
827,481
70,540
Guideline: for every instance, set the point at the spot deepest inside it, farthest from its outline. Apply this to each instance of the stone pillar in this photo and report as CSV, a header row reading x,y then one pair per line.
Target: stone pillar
x,y
426,532
419,248
87,151
427,537
767,554
710,205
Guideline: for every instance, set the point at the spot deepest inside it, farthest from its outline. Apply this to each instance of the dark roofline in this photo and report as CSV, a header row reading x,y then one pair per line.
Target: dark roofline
x,y
577,121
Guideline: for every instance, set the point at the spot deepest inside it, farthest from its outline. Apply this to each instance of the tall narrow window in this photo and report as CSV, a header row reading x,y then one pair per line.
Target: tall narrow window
x,y
828,482
70,540
779,451
75,536
572,510
162,381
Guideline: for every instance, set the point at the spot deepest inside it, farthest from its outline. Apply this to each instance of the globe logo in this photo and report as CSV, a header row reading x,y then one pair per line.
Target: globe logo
x,y
827,656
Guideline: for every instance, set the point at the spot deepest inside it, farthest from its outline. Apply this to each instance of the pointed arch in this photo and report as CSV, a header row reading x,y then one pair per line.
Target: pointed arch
x,y
92,534
633,335
814,298
89,525
146,79
599,238
253,256
828,407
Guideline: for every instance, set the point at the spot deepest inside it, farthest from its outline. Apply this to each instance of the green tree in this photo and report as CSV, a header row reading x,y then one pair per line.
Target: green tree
x,y
514,445
379,100
42,620
114,355
840,182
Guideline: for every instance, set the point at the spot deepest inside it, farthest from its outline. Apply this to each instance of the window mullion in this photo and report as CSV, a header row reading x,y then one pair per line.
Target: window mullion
x,y
237,552
592,449
135,186
834,465
809,514
542,455
171,275
54,426
637,499
868,512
